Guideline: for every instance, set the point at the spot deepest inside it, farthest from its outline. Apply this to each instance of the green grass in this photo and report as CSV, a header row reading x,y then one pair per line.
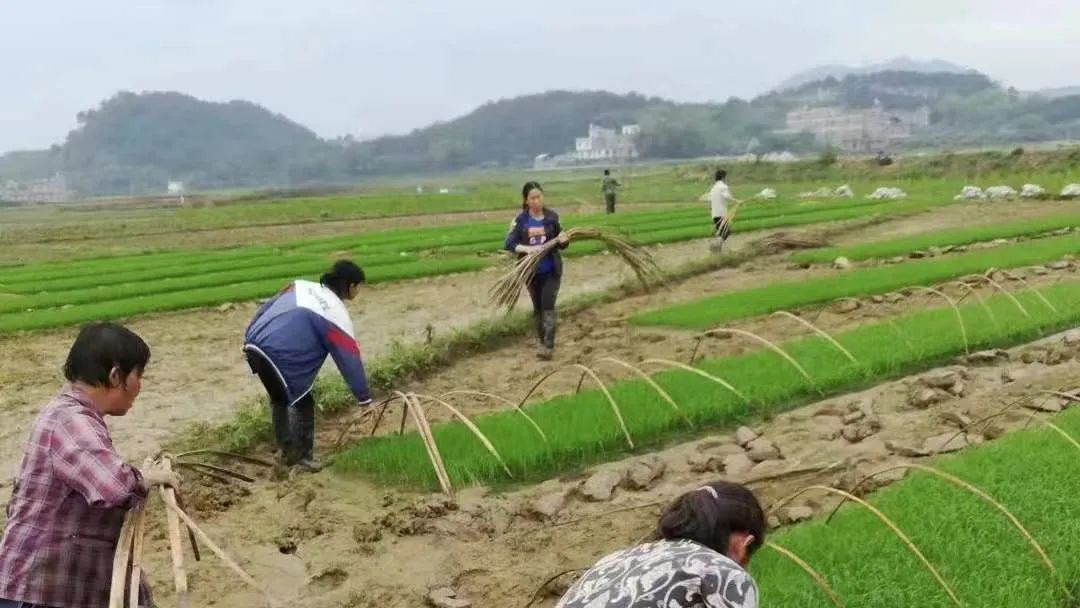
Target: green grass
x,y
984,558
411,362
582,430
941,238
714,310
207,296
50,234
53,295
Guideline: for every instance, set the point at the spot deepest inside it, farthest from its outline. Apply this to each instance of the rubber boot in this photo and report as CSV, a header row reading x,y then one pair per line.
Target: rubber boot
x,y
547,349
302,428
539,318
279,419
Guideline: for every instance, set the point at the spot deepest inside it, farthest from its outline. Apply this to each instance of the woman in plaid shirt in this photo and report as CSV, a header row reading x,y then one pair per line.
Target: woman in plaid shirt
x,y
72,489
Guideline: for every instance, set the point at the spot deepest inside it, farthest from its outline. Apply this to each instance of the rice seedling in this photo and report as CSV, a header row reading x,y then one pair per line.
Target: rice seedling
x,y
1024,479
517,407
1012,276
713,310
889,523
817,330
579,429
818,579
767,344
955,308
982,495
941,238
647,380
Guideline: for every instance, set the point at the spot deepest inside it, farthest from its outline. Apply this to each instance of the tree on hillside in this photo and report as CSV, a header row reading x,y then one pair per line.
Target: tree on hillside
x,y
157,136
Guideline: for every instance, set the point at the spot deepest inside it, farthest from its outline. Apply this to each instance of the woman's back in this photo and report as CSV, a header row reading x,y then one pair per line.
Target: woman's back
x,y
663,574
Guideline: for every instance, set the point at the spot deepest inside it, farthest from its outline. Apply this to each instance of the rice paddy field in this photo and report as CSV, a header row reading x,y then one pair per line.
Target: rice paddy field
x,y
917,360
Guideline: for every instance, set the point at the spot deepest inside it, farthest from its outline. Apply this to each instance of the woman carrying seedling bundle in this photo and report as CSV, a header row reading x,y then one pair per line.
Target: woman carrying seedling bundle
x,y
534,226
697,558
286,344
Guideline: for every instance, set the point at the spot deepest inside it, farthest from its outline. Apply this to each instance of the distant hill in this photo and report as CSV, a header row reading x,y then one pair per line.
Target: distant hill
x,y
899,64
505,131
136,142
30,164
893,89
1056,92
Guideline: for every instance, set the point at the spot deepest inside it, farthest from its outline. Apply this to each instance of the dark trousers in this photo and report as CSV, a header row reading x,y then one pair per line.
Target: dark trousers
x,y
544,290
294,426
609,202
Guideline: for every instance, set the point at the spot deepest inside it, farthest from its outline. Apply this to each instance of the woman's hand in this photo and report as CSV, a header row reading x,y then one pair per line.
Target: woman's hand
x,y
156,475
563,238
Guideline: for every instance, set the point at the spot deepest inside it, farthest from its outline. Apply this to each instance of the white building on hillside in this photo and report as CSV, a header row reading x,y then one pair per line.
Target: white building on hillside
x,y
608,144
858,130
49,190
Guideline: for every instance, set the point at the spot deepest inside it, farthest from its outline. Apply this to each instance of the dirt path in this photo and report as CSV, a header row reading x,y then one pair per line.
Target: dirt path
x,y
958,215
343,542
602,332
30,249
198,374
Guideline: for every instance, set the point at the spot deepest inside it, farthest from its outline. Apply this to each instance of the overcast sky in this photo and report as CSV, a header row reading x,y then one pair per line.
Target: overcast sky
x,y
366,67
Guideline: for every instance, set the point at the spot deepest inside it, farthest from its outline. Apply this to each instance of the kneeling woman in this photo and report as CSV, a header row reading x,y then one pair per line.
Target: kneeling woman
x,y
73,490
286,345
534,226
697,560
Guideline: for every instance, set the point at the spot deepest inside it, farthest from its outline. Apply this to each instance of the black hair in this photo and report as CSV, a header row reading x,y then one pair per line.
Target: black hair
x,y
343,275
720,174
525,190
99,348
709,519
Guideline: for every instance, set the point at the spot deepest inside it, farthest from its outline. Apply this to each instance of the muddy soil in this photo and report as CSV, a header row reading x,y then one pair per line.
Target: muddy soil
x,y
338,542
343,542
959,215
197,372
32,250
601,331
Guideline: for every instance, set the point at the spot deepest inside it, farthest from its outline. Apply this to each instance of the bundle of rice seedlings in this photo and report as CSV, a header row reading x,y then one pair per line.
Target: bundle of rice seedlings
x,y
507,289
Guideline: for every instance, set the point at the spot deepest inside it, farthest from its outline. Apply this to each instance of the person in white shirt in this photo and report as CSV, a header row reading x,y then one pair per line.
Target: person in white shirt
x,y
719,197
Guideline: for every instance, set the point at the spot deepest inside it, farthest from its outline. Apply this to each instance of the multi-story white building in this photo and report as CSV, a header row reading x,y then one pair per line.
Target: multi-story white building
x,y
608,144
864,130
51,190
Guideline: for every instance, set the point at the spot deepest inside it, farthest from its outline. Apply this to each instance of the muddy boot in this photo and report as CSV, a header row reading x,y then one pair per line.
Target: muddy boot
x,y
539,318
279,419
301,445
547,343
307,465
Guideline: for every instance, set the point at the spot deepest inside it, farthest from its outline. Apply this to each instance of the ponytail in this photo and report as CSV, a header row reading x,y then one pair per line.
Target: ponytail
x,y
342,275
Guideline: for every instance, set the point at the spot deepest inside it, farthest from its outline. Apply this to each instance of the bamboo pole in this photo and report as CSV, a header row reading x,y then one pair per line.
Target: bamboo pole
x,y
136,556
176,545
120,561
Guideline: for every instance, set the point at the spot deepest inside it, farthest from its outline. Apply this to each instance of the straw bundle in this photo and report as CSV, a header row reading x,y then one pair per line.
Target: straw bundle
x,y
507,290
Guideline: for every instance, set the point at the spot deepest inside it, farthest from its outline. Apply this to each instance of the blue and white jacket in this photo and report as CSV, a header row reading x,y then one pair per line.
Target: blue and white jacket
x,y
295,331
